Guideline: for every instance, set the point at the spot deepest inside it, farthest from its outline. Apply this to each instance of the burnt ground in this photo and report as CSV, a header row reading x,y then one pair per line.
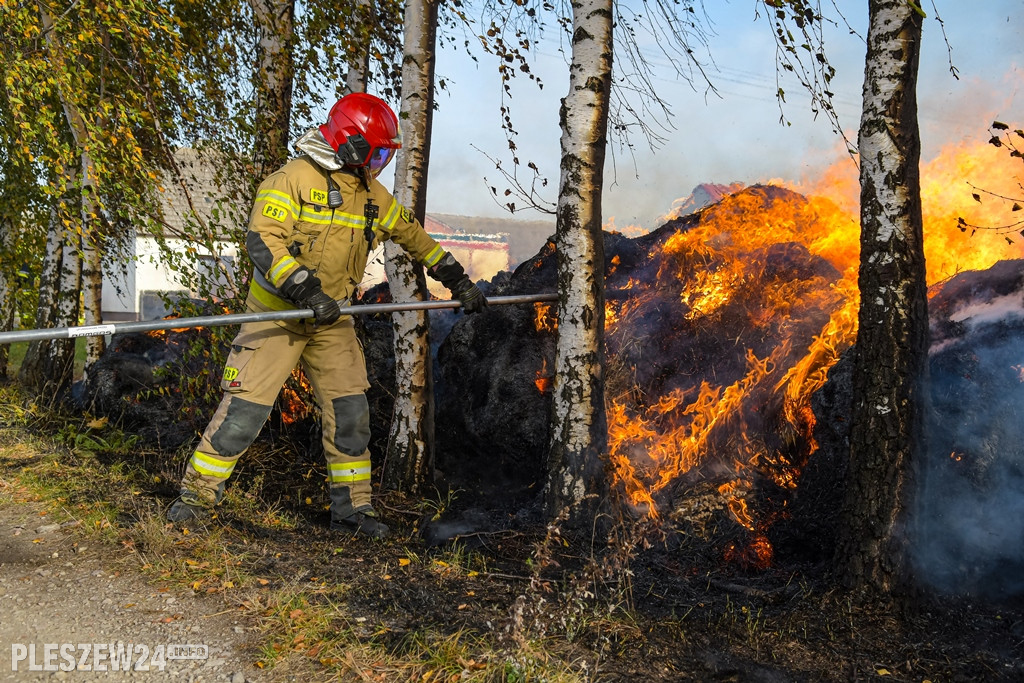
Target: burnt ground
x,y
661,602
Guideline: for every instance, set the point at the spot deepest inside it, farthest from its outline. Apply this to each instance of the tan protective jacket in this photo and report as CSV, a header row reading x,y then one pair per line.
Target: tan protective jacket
x,y
291,225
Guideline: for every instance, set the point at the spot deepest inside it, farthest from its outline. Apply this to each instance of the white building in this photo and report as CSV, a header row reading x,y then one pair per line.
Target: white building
x,y
136,289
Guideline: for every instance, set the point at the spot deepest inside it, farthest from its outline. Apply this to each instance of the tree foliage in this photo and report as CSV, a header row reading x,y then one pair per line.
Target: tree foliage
x,y
1011,140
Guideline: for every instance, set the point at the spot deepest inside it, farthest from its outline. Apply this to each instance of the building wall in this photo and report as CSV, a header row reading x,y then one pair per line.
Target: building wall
x,y
131,290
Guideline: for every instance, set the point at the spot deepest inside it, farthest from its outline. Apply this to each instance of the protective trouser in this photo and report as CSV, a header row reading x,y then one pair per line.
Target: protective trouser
x,y
262,357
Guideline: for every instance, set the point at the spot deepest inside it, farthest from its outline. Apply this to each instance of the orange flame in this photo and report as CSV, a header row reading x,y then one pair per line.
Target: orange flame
x,y
709,264
543,381
545,317
293,401
756,555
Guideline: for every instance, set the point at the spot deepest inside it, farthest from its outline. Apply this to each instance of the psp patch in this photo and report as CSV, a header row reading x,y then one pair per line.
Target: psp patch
x,y
230,374
407,215
275,212
317,196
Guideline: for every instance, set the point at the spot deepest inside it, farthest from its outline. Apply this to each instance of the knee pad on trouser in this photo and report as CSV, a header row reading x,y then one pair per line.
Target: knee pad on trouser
x,y
346,436
232,430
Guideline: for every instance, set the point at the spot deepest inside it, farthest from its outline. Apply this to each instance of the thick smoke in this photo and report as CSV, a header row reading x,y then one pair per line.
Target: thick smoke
x,y
968,518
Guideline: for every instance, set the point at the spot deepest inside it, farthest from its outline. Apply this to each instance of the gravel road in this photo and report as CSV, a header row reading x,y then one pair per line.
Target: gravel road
x,y
59,588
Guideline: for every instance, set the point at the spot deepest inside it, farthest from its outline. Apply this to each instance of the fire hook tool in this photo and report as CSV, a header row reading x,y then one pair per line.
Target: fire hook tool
x,y
235,318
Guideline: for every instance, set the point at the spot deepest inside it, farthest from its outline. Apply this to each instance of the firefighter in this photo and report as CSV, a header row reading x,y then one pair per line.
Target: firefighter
x,y
313,224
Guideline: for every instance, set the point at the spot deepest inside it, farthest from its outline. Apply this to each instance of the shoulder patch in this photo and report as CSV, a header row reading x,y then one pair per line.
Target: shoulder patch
x,y
275,212
407,215
317,196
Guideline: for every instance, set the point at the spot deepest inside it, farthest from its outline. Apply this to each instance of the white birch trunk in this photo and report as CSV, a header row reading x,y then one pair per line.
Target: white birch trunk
x,y
276,22
90,208
576,482
48,365
890,367
92,295
7,287
359,64
410,458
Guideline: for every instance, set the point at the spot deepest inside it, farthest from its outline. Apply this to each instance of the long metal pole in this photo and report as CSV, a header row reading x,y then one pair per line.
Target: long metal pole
x,y
235,318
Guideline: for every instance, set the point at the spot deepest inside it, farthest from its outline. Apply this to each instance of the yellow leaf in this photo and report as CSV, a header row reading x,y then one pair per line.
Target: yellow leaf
x,y
403,561
386,577
473,574
98,423
263,582
227,584
196,585
470,593
441,563
309,501
883,672
463,606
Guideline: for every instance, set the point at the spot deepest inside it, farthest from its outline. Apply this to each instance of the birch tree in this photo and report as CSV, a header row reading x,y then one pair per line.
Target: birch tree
x,y
410,456
576,480
890,368
49,364
90,88
90,235
274,79
359,51
7,298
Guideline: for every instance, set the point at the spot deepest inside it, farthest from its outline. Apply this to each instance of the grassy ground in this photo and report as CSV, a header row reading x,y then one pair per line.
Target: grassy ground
x,y
512,606
17,355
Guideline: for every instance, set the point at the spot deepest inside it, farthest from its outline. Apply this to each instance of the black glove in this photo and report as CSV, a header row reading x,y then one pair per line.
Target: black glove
x,y
325,309
472,298
451,274
300,285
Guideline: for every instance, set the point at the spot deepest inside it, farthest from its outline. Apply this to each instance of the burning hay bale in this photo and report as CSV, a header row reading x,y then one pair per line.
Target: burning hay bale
x,y
709,371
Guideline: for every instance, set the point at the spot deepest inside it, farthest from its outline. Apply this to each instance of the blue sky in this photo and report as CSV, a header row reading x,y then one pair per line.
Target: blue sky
x,y
736,135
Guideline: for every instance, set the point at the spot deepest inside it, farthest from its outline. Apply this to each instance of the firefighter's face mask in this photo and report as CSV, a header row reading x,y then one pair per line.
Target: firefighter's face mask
x,y
379,159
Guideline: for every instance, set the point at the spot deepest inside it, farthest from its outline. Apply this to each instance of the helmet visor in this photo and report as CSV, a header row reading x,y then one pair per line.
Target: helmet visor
x,y
380,158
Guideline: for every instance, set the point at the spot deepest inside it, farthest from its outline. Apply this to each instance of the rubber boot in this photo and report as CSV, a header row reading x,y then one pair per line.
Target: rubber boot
x,y
187,508
363,522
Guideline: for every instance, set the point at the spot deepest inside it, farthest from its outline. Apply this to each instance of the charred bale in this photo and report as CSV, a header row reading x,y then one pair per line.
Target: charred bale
x,y
970,498
964,509
157,384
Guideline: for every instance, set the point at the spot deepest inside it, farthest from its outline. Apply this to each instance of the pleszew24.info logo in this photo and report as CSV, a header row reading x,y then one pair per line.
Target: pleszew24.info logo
x,y
101,656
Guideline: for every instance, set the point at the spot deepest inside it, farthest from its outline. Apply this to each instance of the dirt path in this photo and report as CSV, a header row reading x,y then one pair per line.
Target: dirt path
x,y
58,587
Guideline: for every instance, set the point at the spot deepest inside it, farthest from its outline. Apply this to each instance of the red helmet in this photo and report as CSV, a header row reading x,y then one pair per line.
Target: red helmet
x,y
363,131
